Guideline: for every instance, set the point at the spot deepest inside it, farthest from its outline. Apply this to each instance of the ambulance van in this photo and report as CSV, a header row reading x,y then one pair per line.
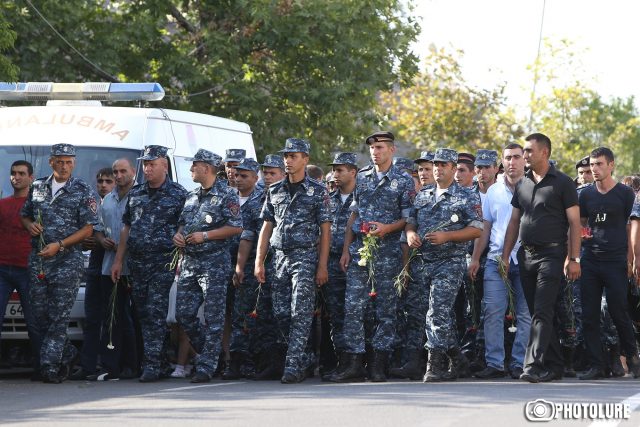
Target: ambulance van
x,y
74,114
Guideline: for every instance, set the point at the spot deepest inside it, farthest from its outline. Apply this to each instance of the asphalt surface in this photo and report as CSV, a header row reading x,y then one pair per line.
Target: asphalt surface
x,y
311,403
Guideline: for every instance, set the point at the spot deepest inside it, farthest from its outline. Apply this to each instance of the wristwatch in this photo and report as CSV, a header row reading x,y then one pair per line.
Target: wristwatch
x,y
61,246
575,260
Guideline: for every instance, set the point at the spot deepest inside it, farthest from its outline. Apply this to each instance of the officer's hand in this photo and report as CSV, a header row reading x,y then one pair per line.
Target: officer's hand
x,y
636,269
322,275
345,259
506,263
238,277
437,238
178,240
474,266
413,239
116,269
35,229
194,238
109,244
89,243
259,272
50,250
572,270
380,229
629,270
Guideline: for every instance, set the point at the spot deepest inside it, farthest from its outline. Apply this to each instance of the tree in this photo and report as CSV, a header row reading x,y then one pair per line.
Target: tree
x,y
287,67
441,110
8,70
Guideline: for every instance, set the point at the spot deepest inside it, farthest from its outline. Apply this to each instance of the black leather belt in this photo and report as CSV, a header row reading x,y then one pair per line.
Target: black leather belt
x,y
537,248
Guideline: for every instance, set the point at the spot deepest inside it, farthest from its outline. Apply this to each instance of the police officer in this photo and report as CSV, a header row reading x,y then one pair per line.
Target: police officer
x,y
249,295
583,172
272,169
150,221
425,168
59,213
211,215
381,204
345,169
443,219
232,157
298,223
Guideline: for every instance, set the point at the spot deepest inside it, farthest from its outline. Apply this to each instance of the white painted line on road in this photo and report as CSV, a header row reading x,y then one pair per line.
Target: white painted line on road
x,y
632,401
193,387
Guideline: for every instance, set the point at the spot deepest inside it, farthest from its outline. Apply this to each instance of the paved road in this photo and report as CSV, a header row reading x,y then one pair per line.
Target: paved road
x,y
312,403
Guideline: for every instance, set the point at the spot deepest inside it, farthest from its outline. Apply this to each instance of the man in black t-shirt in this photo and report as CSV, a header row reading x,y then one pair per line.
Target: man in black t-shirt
x,y
605,208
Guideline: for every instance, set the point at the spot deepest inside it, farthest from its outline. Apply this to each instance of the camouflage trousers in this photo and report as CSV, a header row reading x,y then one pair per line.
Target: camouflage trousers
x,y
52,299
414,306
387,264
333,294
151,283
203,278
293,291
443,278
253,328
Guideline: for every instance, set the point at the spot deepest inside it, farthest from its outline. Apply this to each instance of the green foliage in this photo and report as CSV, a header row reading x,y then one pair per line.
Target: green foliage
x,y
287,67
8,70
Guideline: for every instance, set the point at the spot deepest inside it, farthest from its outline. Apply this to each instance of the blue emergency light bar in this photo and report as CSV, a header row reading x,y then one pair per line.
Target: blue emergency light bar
x,y
98,91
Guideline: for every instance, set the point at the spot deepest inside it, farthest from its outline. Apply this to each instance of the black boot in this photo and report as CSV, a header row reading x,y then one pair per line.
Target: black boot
x,y
412,369
633,363
274,365
435,366
567,353
458,365
353,370
232,370
617,370
378,374
343,361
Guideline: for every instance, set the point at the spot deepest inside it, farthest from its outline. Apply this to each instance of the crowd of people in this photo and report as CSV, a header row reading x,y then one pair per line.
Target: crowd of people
x,y
448,266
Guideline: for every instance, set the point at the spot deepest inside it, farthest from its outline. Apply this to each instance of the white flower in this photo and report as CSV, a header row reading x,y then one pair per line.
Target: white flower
x,y
208,219
454,218
110,346
512,329
362,262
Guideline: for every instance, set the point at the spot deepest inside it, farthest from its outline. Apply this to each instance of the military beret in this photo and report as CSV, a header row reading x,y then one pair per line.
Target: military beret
x,y
296,145
467,158
206,156
583,163
63,150
273,161
445,155
152,152
248,164
345,159
425,156
486,158
382,136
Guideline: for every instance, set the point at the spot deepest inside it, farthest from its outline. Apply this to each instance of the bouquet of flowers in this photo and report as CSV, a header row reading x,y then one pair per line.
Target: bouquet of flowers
x,y
367,253
502,270
176,253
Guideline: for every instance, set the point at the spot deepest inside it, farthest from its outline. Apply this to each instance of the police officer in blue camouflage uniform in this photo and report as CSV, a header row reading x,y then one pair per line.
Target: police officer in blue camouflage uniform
x,y
297,223
443,220
211,215
59,213
232,157
249,294
381,204
414,300
345,169
150,221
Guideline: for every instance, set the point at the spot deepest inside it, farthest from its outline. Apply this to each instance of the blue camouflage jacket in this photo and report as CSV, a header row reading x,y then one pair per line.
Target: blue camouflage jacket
x,y
296,220
340,213
251,221
153,221
455,209
74,206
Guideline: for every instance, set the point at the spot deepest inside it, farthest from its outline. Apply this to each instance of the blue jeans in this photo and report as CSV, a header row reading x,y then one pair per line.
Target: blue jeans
x,y
496,302
17,278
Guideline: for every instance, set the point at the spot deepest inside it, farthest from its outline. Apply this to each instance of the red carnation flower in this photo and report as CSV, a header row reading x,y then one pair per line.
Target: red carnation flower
x,y
40,276
509,317
373,294
365,227
472,329
253,314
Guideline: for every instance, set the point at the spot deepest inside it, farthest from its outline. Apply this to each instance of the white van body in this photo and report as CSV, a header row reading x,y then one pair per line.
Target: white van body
x,y
101,135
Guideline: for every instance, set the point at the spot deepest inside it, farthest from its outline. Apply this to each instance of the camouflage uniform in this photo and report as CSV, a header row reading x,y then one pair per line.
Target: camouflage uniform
x,y
296,221
205,268
152,221
385,200
52,296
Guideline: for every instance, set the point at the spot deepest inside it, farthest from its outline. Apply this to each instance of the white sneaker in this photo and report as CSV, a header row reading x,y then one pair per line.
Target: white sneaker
x,y
178,373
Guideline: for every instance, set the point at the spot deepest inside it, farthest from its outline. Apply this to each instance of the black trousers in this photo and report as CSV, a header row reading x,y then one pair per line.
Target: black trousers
x,y
541,273
597,275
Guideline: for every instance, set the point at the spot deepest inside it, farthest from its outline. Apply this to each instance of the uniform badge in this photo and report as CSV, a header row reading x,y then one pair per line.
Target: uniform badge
x,y
39,194
93,205
234,208
208,219
454,218
310,191
394,184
